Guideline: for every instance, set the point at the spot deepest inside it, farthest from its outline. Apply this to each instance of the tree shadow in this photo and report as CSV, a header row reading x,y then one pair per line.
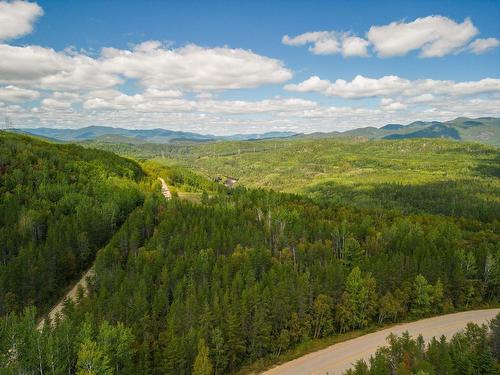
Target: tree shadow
x,y
469,198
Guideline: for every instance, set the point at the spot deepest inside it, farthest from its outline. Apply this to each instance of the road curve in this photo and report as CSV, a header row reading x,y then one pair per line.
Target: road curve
x,y
338,358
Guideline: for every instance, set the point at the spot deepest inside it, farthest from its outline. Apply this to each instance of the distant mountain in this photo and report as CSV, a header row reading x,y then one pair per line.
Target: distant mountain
x,y
109,134
484,130
115,134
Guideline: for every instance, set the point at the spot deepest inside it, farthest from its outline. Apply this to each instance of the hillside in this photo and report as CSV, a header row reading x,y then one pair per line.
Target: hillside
x,y
59,205
246,275
483,130
413,175
239,274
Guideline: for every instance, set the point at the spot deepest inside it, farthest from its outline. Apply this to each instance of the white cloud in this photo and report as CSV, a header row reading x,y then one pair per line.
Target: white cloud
x,y
359,87
55,104
45,68
142,103
363,87
480,46
330,42
434,36
17,18
392,105
190,68
155,93
194,68
249,107
16,94
222,117
354,46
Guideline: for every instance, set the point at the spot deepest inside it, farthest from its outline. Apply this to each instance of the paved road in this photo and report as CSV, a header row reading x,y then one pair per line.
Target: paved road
x,y
339,357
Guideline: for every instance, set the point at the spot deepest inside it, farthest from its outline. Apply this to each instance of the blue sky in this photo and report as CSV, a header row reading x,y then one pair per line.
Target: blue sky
x,y
184,82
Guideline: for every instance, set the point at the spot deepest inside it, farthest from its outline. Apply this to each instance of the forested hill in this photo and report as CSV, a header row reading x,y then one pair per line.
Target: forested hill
x,y
234,278
413,175
58,204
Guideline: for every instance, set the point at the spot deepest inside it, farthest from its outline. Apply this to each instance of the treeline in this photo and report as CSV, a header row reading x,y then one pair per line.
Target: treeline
x,y
471,198
248,274
58,205
475,350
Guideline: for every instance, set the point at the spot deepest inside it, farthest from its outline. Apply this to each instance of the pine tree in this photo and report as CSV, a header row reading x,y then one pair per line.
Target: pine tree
x,y
202,364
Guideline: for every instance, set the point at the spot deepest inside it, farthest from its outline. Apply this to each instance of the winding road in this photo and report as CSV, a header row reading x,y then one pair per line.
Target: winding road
x,y
337,358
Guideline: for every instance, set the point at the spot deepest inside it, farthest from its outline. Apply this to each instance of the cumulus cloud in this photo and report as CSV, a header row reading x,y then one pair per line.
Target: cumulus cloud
x,y
178,87
46,68
363,87
190,68
249,107
17,18
480,46
330,42
194,68
16,94
55,104
221,117
143,103
432,36
391,105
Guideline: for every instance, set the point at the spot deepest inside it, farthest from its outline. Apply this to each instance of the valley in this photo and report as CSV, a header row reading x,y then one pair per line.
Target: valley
x,y
249,187
274,264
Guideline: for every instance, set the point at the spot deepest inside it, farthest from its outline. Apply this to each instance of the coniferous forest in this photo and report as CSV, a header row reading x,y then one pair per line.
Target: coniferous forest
x,y
214,284
59,204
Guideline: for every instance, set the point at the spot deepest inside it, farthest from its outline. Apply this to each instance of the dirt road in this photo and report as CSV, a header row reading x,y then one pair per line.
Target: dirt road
x,y
340,357
71,295
83,280
164,189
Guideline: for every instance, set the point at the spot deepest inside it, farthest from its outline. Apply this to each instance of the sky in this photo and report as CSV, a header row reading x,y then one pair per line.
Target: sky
x,y
226,67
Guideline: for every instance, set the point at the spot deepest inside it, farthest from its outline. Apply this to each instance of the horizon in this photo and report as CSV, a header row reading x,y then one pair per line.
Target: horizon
x,y
228,68
234,134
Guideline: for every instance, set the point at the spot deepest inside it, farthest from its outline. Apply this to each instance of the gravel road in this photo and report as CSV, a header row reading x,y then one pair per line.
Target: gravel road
x,y
339,357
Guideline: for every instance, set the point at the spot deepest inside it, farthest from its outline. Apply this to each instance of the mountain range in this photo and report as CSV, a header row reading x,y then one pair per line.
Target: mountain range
x,y
484,130
110,134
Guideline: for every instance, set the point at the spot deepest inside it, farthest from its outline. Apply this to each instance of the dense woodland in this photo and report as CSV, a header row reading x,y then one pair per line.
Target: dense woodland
x,y
58,204
411,176
475,350
253,273
245,274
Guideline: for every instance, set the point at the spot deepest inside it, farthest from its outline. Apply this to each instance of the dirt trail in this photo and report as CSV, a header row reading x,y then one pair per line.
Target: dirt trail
x,y
337,358
90,273
164,189
71,295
